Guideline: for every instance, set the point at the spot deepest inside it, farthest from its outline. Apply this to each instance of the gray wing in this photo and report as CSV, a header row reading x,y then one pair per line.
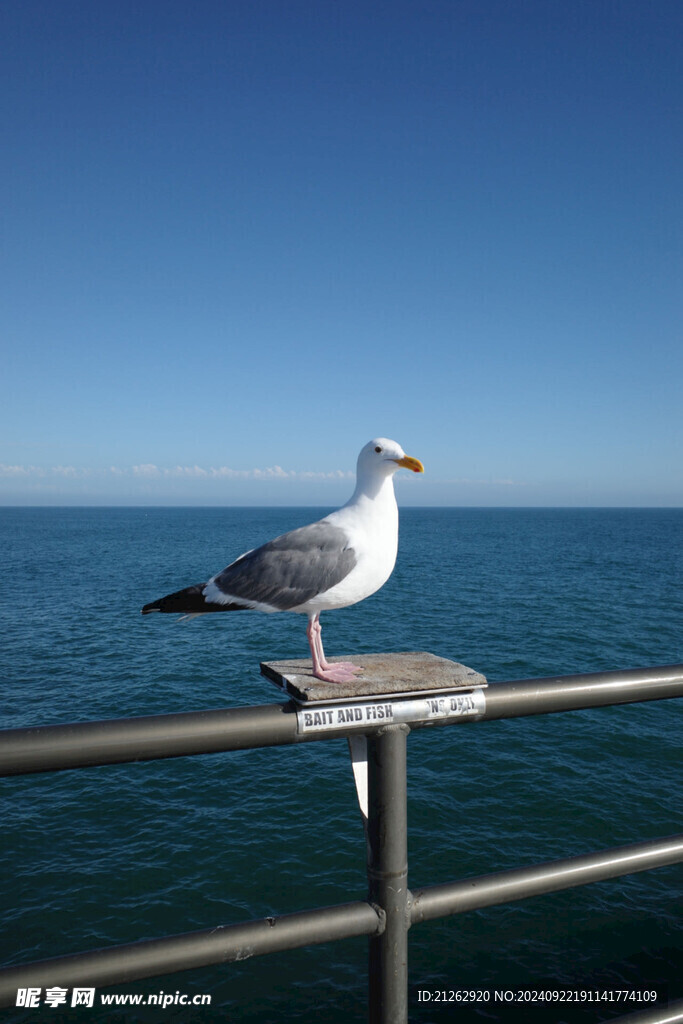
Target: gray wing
x,y
291,569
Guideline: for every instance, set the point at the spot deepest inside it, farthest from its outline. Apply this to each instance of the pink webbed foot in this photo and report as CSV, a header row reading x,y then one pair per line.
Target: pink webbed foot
x,y
337,673
346,665
328,672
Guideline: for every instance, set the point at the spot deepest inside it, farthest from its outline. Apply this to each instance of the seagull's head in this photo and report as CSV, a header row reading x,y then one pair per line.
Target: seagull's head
x,y
382,457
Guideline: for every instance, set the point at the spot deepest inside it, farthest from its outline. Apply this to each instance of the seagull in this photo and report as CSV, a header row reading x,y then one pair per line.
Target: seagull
x,y
333,563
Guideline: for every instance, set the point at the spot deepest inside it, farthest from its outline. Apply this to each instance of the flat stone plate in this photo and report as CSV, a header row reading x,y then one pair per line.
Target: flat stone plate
x,y
413,673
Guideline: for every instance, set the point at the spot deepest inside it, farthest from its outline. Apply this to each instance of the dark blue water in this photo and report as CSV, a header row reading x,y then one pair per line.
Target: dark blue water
x,y
103,856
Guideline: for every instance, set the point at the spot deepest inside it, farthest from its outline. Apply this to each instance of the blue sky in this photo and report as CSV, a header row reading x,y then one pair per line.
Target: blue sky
x,y
242,238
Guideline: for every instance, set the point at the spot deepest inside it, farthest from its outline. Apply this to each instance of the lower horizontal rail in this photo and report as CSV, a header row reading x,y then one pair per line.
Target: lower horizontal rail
x,y
520,883
224,944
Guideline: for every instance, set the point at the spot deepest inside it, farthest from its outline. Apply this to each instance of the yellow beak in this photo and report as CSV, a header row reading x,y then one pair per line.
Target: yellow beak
x,y
410,463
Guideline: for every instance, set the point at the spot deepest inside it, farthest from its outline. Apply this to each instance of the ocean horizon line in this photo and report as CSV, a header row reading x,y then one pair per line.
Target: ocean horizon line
x,y
327,505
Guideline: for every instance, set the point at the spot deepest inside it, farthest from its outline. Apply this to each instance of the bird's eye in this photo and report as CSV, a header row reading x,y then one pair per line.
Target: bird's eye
x,y
378,449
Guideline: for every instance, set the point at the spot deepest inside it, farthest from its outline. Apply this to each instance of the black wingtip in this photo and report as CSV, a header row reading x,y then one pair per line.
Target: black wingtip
x,y
189,601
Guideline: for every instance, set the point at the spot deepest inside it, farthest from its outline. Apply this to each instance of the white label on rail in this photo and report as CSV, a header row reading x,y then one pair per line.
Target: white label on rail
x,y
341,717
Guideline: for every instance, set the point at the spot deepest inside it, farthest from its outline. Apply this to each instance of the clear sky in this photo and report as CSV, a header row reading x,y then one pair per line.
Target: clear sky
x,y
243,237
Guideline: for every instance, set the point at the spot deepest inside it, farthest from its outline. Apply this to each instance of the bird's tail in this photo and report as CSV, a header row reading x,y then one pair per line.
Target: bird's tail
x,y
189,601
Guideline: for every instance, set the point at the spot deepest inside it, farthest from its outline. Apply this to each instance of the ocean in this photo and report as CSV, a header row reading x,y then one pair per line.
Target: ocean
x,y
102,856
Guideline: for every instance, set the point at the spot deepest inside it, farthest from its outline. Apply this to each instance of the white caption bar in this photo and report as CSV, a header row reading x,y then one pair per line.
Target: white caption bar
x,y
341,717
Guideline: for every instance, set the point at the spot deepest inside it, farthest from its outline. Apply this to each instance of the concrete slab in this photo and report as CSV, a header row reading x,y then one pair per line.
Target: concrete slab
x,y
411,673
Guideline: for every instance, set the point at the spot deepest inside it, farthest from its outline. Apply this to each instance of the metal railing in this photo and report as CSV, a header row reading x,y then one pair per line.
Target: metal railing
x,y
389,910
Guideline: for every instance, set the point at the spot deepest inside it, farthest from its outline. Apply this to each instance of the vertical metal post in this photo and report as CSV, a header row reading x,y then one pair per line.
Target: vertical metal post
x,y
388,874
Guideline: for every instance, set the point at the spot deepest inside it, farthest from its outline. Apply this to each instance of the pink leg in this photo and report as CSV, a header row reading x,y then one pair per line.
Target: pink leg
x,y
337,672
321,654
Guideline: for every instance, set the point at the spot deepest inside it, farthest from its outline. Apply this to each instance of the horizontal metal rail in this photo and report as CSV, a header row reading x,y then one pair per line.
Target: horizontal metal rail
x,y
589,690
521,883
88,744
227,944
122,740
224,944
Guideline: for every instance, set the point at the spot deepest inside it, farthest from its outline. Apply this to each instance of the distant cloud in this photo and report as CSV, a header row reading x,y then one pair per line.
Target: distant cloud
x,y
227,473
149,471
337,474
41,471
269,473
190,471
14,471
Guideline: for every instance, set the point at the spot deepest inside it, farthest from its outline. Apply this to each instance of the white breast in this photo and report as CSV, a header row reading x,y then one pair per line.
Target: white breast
x,y
372,527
